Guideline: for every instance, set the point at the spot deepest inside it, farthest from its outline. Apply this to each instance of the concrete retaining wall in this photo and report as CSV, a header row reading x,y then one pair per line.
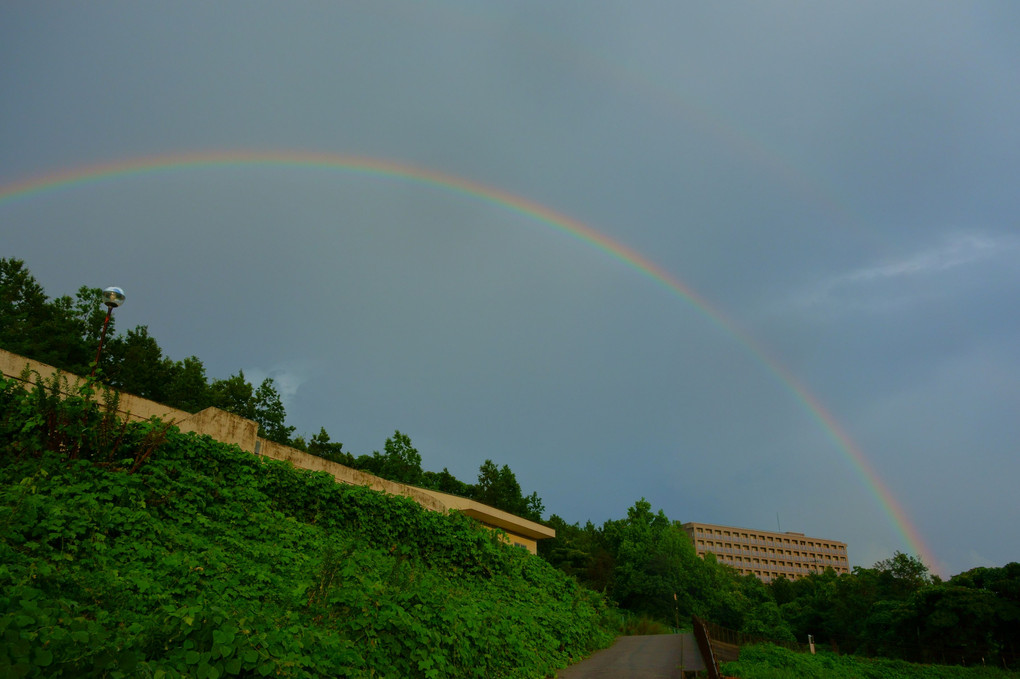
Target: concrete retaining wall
x,y
230,428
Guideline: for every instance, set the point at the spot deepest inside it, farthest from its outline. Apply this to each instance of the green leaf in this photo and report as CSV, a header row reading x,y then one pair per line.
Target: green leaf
x,y
43,657
19,670
221,637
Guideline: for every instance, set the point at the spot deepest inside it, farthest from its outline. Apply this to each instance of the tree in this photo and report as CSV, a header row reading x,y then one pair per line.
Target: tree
x,y
1004,584
654,560
498,487
533,507
445,482
263,405
235,395
137,365
401,461
953,624
63,332
321,446
188,388
270,413
901,575
23,308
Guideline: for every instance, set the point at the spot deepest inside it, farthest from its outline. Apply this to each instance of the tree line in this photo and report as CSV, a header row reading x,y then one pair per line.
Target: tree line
x,y
897,608
65,331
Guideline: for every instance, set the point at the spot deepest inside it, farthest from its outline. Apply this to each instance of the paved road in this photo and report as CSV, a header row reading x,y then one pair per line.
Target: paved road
x,y
642,657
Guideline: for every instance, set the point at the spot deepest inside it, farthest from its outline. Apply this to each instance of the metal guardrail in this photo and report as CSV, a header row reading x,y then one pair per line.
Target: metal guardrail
x,y
720,645
701,635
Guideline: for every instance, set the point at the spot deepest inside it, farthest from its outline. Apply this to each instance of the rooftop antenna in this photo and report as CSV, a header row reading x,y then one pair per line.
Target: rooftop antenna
x,y
777,523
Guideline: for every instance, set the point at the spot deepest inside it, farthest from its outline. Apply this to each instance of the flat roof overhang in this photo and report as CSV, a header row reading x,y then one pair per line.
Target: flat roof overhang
x,y
497,518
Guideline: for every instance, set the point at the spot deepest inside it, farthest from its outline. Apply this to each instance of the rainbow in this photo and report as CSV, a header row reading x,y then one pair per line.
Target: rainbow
x,y
93,174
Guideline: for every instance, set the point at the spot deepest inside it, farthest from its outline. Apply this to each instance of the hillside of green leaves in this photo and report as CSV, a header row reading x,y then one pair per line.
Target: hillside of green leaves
x,y
772,662
135,550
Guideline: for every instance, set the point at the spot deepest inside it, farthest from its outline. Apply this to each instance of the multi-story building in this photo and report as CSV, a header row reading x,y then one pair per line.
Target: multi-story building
x,y
765,554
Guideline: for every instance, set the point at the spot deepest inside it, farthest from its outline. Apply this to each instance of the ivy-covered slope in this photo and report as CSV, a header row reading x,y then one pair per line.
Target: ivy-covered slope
x,y
135,550
773,662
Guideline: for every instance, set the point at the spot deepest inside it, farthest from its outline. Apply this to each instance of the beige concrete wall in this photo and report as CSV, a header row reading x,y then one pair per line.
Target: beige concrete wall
x,y
219,424
128,405
222,426
346,475
230,428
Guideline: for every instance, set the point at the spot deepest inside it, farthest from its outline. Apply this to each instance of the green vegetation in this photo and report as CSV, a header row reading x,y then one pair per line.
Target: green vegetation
x,y
772,662
897,610
138,547
135,550
64,332
647,564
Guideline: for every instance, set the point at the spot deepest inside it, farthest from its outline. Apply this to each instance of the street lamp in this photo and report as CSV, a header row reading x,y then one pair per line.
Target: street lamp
x,y
112,297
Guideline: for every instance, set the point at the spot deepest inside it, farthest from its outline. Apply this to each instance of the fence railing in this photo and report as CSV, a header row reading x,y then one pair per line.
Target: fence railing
x,y
704,640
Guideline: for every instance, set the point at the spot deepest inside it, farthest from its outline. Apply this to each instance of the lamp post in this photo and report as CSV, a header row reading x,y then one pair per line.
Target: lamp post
x,y
112,297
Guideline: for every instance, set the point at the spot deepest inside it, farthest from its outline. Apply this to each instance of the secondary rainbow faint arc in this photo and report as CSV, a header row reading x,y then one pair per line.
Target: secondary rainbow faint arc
x,y
475,190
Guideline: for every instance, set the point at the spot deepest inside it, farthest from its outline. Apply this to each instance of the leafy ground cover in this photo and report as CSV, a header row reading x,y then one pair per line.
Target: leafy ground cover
x,y
773,662
135,550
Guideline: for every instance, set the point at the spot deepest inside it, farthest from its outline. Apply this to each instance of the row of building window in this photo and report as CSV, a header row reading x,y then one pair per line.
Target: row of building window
x,y
758,568
768,555
840,561
719,548
709,544
780,563
767,541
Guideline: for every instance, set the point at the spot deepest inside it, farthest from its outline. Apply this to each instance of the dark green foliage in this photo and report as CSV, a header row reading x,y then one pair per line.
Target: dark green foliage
x,y
498,487
263,404
138,365
445,482
321,446
270,413
898,610
188,388
65,333
208,562
22,307
773,662
648,566
401,461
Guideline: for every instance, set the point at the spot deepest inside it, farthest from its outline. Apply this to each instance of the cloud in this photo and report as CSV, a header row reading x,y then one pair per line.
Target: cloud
x,y
956,251
287,378
894,283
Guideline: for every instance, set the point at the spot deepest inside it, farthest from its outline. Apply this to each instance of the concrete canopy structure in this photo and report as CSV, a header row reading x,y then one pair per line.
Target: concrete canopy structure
x,y
765,554
521,532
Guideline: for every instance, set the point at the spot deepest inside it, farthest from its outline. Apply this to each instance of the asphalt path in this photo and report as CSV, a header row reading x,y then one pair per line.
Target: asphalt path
x,y
659,656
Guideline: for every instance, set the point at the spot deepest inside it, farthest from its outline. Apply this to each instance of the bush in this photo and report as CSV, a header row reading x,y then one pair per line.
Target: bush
x,y
773,662
176,555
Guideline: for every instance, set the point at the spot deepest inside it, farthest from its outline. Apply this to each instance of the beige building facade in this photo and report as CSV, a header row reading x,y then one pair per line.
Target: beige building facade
x,y
229,428
765,554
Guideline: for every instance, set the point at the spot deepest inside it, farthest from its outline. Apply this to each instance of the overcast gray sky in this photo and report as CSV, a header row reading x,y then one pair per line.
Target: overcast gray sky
x,y
838,180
